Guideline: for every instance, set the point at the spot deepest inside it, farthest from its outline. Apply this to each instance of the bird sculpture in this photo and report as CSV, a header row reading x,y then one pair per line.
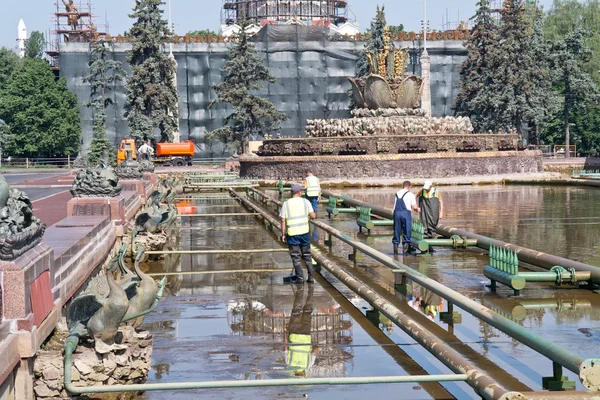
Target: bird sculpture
x,y
145,293
4,191
158,221
100,314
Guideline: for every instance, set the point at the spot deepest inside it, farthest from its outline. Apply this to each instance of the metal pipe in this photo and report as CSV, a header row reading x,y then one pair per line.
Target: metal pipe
x,y
588,370
450,242
408,364
159,295
486,386
252,251
478,380
529,256
559,395
218,215
223,271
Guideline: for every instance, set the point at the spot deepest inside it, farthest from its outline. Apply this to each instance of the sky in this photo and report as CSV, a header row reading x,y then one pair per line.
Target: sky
x,y
191,15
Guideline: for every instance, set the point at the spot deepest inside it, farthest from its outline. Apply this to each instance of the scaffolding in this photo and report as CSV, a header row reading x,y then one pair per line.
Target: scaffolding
x,y
72,26
262,12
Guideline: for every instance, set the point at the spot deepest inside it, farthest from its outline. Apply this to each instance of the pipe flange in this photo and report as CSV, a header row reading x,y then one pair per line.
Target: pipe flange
x,y
573,277
558,270
589,374
464,243
455,239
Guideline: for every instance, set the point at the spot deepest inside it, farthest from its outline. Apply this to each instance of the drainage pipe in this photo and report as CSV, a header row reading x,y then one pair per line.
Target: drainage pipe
x,y
588,370
529,256
478,380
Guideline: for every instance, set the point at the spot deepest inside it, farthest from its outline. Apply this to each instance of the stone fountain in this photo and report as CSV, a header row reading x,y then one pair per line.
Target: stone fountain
x,y
389,136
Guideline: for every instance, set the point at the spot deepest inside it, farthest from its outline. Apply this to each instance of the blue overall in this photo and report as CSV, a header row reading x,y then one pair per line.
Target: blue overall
x,y
402,221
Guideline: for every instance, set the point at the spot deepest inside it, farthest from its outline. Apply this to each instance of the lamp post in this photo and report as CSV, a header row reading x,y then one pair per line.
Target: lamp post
x,y
425,67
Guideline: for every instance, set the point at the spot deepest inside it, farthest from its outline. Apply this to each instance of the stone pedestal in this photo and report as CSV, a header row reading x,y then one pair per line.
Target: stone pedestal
x,y
134,185
98,206
27,295
151,177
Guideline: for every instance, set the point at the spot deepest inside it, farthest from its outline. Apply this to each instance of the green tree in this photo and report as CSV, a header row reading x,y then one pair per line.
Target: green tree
x,y
5,137
252,115
396,29
152,100
476,99
565,16
577,88
375,41
204,33
103,74
9,60
42,113
35,45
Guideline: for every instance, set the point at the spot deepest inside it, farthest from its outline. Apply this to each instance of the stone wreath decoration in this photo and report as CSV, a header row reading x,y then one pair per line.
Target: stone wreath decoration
x,y
96,182
20,230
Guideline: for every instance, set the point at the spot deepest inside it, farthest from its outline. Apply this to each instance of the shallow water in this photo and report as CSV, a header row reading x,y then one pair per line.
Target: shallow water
x,y
234,325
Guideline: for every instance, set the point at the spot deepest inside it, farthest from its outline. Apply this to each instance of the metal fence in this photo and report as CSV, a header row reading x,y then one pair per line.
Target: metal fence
x,y
11,162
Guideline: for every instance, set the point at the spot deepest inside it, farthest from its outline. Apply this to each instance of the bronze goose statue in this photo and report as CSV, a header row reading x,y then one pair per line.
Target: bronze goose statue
x,y
100,314
145,293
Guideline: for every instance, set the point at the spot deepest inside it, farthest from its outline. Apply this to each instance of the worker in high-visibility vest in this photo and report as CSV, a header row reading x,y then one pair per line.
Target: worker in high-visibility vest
x,y
313,189
295,214
301,354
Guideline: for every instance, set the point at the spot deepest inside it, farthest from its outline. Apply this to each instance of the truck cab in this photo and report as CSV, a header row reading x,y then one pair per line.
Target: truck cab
x,y
125,146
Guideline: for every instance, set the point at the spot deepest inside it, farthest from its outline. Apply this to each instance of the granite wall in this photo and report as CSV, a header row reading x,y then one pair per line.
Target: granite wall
x,y
439,165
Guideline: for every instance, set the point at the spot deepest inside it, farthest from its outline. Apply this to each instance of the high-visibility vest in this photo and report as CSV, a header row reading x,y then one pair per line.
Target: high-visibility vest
x,y
300,352
313,188
429,194
296,216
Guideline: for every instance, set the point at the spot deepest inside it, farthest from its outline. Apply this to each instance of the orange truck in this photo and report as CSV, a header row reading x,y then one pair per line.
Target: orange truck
x,y
177,154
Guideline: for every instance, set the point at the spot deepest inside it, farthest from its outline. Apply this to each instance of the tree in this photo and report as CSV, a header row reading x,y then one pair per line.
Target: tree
x,y
5,137
103,74
152,100
376,34
565,16
35,45
578,90
476,99
9,60
42,113
396,29
252,115
204,33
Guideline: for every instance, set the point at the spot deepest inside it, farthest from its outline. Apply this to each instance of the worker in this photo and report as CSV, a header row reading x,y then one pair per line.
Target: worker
x,y
313,189
404,203
145,151
295,229
432,208
301,354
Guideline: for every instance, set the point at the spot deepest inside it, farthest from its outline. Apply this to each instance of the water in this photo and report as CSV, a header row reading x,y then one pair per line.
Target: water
x,y
235,325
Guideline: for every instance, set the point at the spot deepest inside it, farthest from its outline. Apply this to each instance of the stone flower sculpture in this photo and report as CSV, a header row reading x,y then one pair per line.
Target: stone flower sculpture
x,y
96,182
20,230
387,86
129,169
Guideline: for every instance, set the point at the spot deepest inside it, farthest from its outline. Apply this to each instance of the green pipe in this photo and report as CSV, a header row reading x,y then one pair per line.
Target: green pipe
x,y
537,304
450,242
588,370
421,245
253,251
218,215
159,295
515,282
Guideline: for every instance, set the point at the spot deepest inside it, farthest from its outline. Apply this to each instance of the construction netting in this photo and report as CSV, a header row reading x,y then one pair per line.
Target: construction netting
x,y
310,66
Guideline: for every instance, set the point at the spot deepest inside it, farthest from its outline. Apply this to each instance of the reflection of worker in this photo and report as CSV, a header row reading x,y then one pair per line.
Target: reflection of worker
x,y
313,189
295,214
301,354
427,302
432,208
404,203
145,151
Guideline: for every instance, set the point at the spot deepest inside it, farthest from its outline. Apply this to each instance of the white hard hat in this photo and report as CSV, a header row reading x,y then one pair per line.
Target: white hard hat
x,y
427,185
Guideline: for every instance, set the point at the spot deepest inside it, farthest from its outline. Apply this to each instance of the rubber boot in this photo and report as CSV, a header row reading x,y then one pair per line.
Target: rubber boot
x,y
395,249
405,248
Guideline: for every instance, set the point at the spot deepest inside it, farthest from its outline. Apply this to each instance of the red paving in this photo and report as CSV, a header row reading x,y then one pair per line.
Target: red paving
x,y
52,209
